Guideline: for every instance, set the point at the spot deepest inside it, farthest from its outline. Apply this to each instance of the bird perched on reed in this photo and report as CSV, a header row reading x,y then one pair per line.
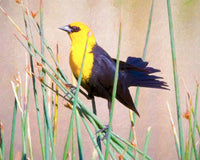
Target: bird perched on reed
x,y
99,68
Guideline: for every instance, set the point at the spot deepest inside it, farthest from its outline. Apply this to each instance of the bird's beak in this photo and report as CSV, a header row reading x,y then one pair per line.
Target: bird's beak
x,y
66,28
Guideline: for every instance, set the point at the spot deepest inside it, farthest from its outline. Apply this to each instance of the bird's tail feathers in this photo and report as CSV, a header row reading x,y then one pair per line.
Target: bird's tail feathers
x,y
142,76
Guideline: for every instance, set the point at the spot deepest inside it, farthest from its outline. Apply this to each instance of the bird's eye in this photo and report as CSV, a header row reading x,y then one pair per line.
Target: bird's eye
x,y
75,29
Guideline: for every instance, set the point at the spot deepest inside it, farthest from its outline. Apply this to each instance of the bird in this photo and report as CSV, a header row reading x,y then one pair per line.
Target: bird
x,y
99,68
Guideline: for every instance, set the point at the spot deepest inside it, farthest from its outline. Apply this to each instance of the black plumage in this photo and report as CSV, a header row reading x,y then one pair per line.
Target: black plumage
x,y
133,72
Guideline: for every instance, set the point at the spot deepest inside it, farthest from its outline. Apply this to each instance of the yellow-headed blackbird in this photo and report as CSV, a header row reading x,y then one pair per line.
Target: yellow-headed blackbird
x,y
99,68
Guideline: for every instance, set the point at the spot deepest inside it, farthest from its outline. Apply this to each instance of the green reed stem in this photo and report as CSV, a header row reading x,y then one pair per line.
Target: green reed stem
x,y
44,94
94,106
146,142
34,84
188,142
50,51
95,122
174,131
2,143
195,124
176,81
55,109
24,138
96,126
48,64
79,136
92,137
119,141
85,110
74,106
143,57
113,95
13,129
27,92
73,144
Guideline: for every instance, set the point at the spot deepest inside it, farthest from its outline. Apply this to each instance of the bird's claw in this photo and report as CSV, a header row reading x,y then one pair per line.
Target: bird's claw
x,y
71,88
106,132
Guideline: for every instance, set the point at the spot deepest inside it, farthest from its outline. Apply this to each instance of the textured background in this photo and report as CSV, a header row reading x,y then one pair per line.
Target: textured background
x,y
103,18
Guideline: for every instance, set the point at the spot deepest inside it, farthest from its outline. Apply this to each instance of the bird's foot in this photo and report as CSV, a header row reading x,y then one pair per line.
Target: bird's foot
x,y
71,88
105,129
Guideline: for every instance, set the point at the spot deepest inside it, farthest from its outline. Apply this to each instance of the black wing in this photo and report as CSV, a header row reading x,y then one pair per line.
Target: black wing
x,y
102,79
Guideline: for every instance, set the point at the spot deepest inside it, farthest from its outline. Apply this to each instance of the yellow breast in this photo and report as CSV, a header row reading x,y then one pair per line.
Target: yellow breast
x,y
75,60
79,40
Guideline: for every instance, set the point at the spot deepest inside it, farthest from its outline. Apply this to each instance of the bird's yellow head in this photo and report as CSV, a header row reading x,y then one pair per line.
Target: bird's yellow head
x,y
79,33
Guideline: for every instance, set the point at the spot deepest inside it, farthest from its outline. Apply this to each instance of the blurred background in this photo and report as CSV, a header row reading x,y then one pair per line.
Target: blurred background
x,y
103,18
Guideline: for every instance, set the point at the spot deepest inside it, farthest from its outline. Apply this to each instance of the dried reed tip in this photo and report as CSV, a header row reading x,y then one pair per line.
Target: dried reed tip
x,y
57,51
197,82
131,116
187,114
120,157
57,57
69,155
14,24
57,69
185,86
39,66
68,86
94,154
41,3
1,130
1,125
133,143
149,129
41,78
33,14
68,105
18,1
18,79
28,69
